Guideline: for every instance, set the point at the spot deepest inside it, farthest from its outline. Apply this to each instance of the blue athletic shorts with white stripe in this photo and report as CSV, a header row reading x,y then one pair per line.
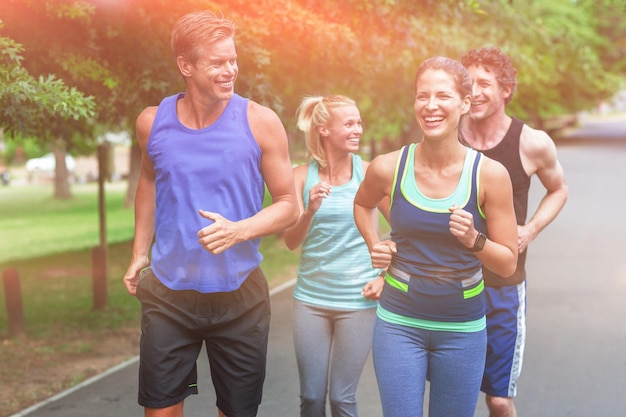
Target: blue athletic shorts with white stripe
x,y
506,336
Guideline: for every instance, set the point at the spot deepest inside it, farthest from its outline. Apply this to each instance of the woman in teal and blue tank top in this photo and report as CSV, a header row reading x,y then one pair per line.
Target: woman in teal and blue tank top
x,y
337,287
451,212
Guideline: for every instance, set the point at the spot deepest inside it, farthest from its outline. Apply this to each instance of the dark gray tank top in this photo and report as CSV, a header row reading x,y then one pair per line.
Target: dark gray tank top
x,y
507,152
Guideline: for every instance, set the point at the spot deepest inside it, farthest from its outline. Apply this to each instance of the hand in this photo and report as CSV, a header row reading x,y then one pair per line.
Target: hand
x,y
381,254
374,288
220,235
524,237
131,278
462,226
317,193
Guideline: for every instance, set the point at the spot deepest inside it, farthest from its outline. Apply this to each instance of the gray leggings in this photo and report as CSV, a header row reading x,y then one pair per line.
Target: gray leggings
x,y
331,349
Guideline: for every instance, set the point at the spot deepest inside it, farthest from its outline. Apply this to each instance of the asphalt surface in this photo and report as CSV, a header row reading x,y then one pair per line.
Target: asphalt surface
x,y
114,394
574,363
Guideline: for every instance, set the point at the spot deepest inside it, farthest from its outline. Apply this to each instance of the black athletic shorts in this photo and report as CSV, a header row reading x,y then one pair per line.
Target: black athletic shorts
x,y
174,324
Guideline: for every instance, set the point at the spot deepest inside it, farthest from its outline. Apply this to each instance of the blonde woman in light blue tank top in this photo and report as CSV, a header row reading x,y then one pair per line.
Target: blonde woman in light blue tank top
x,y
337,287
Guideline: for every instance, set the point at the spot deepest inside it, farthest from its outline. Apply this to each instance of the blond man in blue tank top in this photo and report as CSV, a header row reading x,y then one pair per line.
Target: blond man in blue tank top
x,y
206,155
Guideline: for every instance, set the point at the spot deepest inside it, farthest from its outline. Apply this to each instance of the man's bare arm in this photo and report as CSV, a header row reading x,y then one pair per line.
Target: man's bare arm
x,y
144,204
539,157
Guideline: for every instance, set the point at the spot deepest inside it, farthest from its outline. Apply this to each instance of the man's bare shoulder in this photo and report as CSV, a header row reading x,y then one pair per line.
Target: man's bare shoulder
x,y
149,111
537,149
259,113
145,121
265,124
146,117
532,137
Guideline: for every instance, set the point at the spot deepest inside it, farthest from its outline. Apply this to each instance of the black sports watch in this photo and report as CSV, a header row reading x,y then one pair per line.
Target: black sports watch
x,y
479,243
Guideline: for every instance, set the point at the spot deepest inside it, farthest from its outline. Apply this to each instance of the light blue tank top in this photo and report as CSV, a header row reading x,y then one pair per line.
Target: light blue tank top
x,y
216,169
335,263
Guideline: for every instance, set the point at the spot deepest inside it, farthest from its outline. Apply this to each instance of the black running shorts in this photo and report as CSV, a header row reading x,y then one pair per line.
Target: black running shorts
x,y
233,325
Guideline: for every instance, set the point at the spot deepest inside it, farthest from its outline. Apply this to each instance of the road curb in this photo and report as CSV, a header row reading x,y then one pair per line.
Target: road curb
x,y
83,384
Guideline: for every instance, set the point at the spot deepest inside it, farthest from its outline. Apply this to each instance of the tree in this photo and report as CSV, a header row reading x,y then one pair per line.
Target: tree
x,y
38,107
557,49
570,53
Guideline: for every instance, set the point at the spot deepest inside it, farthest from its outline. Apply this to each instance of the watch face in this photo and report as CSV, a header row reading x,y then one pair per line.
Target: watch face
x,y
480,242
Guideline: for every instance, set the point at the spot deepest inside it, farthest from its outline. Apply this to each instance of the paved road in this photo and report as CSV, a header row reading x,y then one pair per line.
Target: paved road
x,y
574,363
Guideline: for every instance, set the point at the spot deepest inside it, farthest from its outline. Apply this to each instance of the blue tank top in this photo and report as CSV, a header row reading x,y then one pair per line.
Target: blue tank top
x,y
433,278
216,169
334,263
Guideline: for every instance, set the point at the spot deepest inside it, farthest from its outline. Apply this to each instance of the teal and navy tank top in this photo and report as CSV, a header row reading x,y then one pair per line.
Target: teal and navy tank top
x,y
217,169
334,263
434,281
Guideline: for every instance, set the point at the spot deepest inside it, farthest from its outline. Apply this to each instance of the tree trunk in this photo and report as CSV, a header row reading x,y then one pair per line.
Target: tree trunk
x,y
133,175
61,175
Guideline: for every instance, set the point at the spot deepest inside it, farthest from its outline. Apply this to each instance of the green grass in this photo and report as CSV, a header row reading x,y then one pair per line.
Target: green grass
x,y
50,243
57,294
34,224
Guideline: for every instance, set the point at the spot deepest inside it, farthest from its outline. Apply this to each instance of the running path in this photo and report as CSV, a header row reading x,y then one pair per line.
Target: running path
x,y
114,394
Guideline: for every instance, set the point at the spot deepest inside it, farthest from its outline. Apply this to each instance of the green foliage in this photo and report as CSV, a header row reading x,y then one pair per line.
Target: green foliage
x,y
556,47
18,149
570,55
608,17
27,104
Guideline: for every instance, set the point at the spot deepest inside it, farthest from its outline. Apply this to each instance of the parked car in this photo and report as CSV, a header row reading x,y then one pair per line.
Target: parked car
x,y
48,163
